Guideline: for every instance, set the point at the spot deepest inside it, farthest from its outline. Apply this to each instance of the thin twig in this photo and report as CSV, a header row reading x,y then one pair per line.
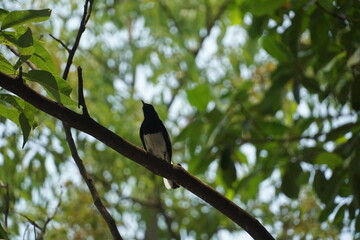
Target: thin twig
x,y
88,180
335,15
81,93
48,219
29,63
32,222
82,27
61,43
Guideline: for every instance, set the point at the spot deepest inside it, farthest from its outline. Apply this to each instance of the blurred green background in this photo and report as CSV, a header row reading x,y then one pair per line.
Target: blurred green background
x,y
261,99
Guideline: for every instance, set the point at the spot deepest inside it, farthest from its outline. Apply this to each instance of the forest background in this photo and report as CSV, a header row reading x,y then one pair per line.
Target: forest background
x,y
261,99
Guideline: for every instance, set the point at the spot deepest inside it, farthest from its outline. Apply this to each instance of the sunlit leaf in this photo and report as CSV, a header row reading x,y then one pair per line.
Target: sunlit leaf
x,y
332,160
22,17
25,127
26,39
10,113
262,7
56,87
5,66
275,48
199,96
42,59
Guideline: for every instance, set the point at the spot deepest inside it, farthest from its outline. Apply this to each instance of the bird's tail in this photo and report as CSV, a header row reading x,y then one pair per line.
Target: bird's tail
x,y
169,184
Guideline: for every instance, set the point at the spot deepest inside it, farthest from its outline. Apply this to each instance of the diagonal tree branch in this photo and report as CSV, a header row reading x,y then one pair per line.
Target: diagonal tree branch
x,y
89,182
136,154
335,15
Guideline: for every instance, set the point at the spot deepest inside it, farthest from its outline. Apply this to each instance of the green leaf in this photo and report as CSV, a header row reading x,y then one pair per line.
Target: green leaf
x,y
3,14
296,90
5,66
262,7
12,100
357,223
274,128
25,127
342,130
10,113
290,184
56,87
324,215
339,217
332,160
272,100
20,112
3,233
8,38
227,167
22,17
321,186
42,59
354,59
26,39
355,96
275,48
199,96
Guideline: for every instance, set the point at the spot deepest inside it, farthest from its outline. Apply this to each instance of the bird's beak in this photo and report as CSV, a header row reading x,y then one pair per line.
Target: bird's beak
x,y
142,102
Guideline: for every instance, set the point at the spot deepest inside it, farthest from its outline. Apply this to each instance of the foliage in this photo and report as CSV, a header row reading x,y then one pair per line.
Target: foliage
x,y
261,99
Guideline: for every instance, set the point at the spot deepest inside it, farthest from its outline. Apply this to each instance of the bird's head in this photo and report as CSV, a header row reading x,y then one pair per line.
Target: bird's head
x,y
149,110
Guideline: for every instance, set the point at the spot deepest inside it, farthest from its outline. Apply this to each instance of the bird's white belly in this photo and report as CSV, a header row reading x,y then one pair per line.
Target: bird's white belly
x,y
155,144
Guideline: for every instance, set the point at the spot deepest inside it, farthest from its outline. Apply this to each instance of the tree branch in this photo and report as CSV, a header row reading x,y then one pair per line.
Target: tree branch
x,y
88,180
14,51
136,154
335,15
61,43
48,220
81,93
85,18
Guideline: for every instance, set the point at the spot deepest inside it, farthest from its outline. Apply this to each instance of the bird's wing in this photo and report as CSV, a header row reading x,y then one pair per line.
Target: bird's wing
x,y
167,141
142,136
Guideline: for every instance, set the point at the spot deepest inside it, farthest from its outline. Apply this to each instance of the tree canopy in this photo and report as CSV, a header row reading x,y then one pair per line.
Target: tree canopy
x,y
261,100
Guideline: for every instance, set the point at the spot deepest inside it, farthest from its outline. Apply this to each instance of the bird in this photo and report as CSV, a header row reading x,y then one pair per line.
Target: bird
x,y
155,138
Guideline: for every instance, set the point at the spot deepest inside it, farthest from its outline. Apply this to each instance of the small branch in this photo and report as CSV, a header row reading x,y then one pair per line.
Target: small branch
x,y
61,43
335,15
89,182
30,64
32,222
85,18
81,93
48,219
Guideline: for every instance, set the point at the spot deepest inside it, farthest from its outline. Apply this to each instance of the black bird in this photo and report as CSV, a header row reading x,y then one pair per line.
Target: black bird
x,y
155,138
